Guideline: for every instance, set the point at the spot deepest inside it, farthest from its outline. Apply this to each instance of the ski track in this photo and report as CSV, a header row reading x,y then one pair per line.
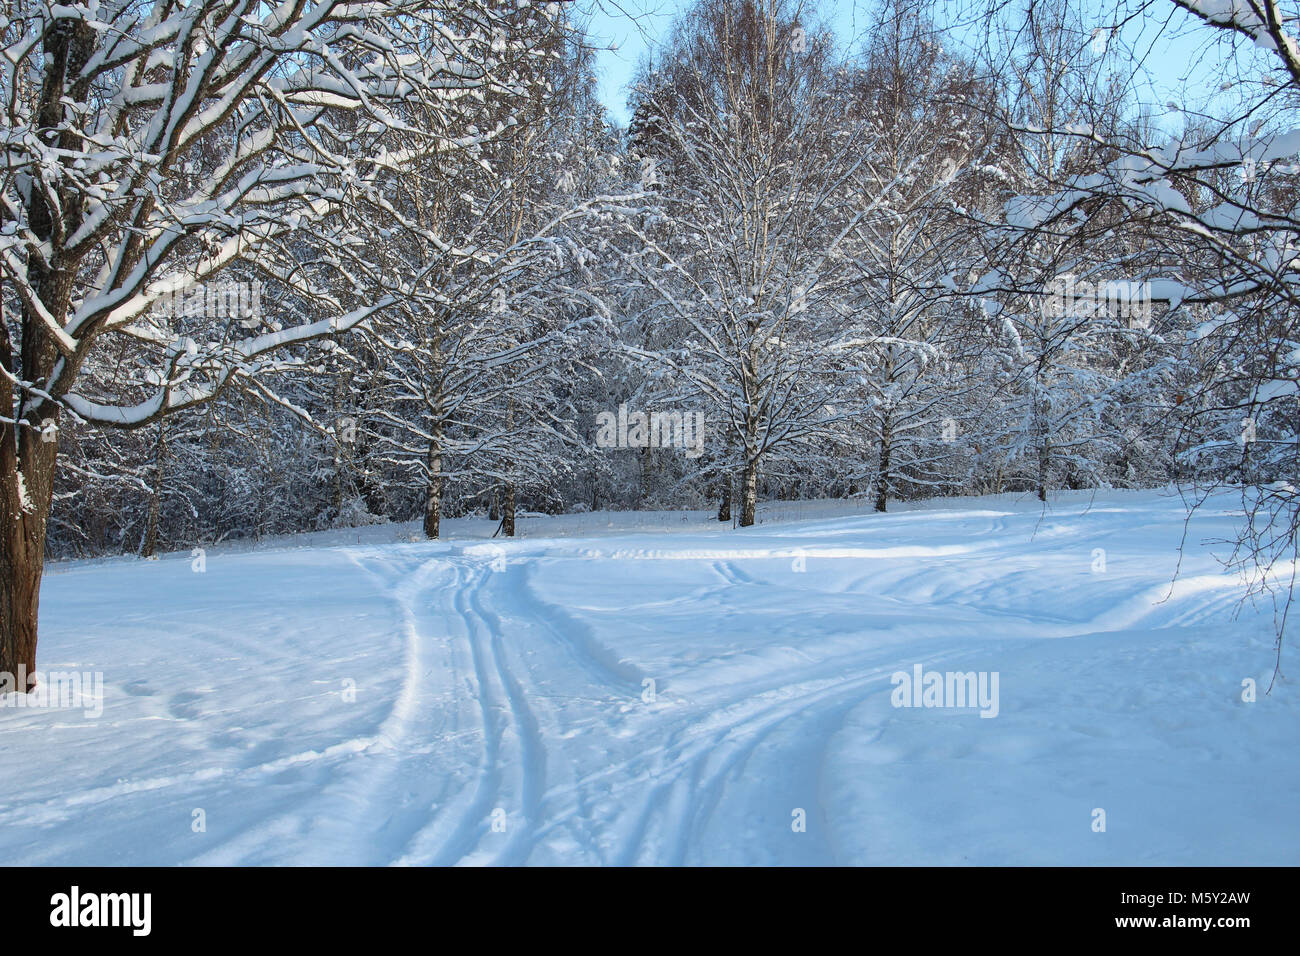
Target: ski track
x,y
518,735
659,799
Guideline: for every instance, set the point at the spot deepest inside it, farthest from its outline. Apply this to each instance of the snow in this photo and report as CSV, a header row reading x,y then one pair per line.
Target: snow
x,y
506,683
24,499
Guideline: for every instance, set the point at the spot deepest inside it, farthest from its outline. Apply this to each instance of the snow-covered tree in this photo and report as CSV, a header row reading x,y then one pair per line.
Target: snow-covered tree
x,y
751,169
1220,203
156,148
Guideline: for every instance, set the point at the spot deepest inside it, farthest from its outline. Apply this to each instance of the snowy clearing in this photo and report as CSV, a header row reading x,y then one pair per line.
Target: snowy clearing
x,y
502,713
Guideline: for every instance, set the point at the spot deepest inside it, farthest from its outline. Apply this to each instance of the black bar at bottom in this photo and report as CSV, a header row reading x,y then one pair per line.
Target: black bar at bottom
x,y
581,907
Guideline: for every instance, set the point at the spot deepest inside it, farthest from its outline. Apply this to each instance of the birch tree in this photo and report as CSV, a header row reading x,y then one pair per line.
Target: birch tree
x,y
753,168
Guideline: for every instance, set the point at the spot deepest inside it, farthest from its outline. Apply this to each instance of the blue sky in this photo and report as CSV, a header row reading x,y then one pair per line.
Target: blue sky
x,y
642,22
1173,54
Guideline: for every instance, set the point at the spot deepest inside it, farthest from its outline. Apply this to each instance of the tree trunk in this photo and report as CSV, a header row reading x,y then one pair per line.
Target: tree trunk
x,y
1044,460
150,545
749,492
724,497
1042,423
749,476
433,497
508,517
29,449
508,514
645,468
883,476
336,481
26,484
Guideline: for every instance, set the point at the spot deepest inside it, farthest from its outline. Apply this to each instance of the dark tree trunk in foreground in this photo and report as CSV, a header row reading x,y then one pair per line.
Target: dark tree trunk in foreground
x,y
26,483
29,447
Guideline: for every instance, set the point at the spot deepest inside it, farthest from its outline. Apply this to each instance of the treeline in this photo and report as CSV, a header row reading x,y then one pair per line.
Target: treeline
x,y
904,267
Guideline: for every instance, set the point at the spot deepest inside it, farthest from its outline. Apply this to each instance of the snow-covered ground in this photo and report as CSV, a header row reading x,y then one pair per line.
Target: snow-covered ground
x,y
654,688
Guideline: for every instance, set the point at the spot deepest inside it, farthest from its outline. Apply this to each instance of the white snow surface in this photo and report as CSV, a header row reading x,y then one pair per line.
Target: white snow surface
x,y
501,714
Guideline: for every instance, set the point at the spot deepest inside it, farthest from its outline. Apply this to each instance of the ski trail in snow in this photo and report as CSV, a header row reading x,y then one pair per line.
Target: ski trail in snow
x,y
527,735
370,802
504,719
679,763
679,768
707,750
513,770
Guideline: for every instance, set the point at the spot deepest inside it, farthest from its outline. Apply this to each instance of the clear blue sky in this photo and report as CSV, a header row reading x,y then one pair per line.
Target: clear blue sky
x,y
633,25
1170,50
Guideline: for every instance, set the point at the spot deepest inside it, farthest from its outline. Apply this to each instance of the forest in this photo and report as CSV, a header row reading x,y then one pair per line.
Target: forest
x,y
270,268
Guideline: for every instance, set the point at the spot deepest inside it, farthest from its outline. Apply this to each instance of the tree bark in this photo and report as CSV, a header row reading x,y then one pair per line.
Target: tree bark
x,y
645,468
749,476
150,545
508,516
29,448
883,475
26,484
1042,422
508,513
749,492
433,496
724,497
1044,461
